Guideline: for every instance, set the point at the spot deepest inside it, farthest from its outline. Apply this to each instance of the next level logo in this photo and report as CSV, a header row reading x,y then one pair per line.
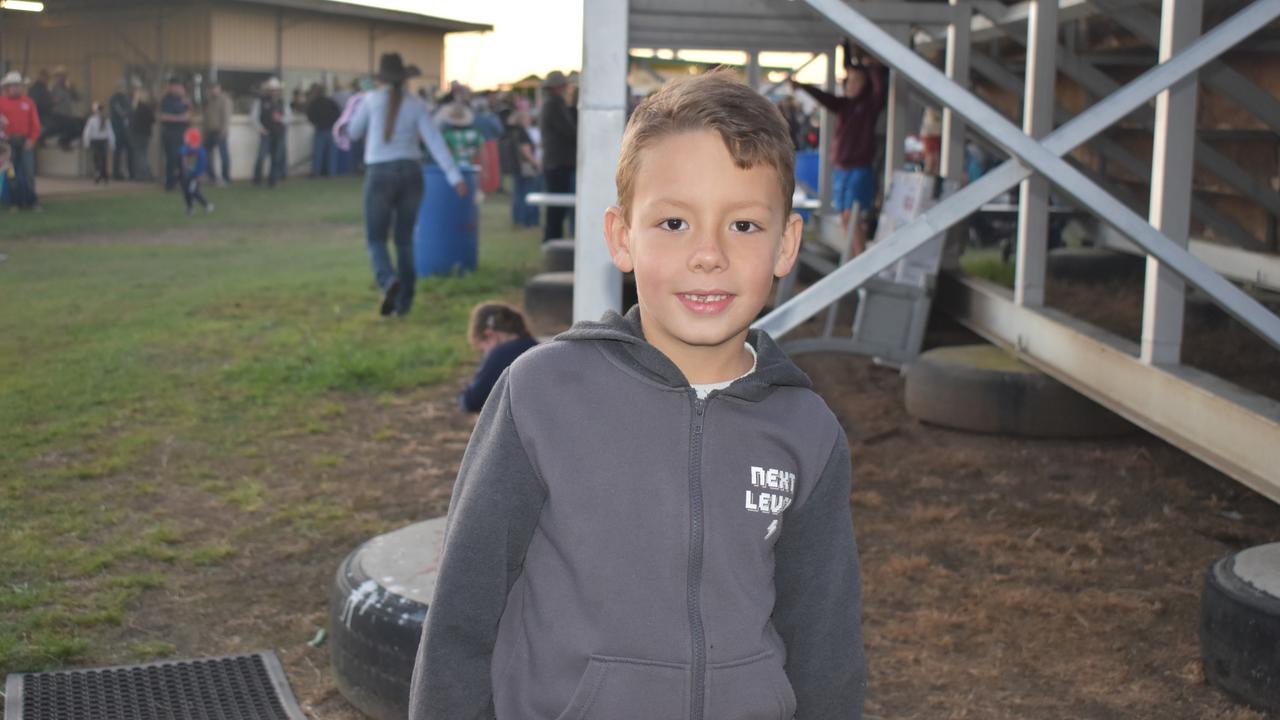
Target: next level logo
x,y
770,499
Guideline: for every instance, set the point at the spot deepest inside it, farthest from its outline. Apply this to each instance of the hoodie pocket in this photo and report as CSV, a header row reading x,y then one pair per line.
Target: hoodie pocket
x,y
753,688
623,689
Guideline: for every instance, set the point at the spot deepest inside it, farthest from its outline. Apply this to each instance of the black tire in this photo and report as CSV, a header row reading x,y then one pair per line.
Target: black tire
x,y
1092,264
374,629
1240,627
981,388
548,302
557,256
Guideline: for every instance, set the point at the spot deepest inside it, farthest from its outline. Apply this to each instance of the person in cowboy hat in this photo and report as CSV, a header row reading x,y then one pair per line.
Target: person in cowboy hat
x,y
22,129
271,115
393,121
457,123
559,126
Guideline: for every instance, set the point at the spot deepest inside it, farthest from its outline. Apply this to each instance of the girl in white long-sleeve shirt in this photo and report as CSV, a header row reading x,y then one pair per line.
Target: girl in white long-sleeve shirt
x,y
99,139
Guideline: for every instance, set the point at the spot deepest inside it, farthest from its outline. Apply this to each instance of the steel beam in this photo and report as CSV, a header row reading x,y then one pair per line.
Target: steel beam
x,y
602,112
1037,121
1231,429
1218,74
895,121
1114,152
1010,20
957,66
1100,84
1171,169
1043,157
826,132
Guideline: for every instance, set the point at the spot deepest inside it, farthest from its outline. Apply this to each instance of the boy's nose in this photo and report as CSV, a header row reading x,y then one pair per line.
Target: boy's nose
x,y
708,253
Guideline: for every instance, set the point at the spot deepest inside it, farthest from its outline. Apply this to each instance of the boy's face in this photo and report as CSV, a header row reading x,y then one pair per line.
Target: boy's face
x,y
705,239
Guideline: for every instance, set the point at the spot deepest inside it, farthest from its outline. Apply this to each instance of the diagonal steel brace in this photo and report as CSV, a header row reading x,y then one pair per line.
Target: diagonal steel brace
x,y
1043,157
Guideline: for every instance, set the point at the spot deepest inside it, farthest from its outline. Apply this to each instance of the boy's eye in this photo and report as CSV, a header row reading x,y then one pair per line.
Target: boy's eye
x,y
745,226
673,224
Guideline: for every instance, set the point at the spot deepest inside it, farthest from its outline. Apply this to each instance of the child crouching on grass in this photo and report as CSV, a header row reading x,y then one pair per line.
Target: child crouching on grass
x,y
652,517
497,330
195,162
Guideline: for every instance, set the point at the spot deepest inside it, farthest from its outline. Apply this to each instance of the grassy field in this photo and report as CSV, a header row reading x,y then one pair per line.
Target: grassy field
x,y
142,351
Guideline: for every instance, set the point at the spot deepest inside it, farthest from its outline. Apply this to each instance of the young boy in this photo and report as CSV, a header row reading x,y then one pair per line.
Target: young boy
x,y
652,518
195,161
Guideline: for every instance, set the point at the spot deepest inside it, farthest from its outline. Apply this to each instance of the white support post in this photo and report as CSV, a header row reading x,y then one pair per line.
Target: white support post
x,y
952,166
895,125
1172,162
826,130
602,113
1037,121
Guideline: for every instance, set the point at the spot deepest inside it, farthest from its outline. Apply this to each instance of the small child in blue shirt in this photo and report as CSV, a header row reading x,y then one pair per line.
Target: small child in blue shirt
x,y
499,331
195,162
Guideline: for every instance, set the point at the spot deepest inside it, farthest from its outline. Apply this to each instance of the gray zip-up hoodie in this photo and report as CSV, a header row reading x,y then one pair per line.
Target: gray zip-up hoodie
x,y
617,548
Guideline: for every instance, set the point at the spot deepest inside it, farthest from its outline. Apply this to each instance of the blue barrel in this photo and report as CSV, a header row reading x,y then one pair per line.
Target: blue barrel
x,y
444,241
807,170
807,162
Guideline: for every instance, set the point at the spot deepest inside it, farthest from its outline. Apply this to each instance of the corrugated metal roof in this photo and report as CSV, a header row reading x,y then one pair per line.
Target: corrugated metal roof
x,y
325,7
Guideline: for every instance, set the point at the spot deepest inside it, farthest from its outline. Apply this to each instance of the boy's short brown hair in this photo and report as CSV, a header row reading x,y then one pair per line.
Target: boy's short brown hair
x,y
752,128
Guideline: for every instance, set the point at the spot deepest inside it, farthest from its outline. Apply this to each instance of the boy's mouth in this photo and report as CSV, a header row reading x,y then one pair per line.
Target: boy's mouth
x,y
710,302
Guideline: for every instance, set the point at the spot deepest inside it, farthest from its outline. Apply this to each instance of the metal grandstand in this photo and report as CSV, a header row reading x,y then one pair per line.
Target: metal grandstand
x,y
1226,426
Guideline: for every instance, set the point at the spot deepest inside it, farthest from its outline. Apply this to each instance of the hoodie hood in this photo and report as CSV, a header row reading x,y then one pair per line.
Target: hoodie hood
x,y
623,337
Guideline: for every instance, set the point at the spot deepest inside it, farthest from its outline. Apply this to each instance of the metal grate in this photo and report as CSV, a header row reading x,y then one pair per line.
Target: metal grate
x,y
240,687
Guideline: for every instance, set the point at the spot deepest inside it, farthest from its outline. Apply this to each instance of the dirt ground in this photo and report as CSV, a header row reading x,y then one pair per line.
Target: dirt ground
x,y
1004,578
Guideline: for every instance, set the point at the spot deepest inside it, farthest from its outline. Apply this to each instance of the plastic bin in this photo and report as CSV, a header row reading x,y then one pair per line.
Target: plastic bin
x,y
444,241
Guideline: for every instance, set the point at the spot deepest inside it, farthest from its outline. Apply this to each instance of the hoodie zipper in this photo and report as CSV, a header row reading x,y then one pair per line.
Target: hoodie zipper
x,y
694,596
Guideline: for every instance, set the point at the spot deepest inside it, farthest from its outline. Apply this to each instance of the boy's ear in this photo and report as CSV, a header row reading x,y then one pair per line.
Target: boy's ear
x,y
618,237
789,248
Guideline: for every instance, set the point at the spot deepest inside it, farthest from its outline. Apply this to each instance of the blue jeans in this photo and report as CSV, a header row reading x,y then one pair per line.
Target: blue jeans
x,y
270,146
392,194
324,154
215,140
522,213
22,193
171,138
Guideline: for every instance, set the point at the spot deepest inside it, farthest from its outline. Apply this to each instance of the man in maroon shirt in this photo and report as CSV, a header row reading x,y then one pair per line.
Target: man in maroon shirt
x,y
854,150
22,128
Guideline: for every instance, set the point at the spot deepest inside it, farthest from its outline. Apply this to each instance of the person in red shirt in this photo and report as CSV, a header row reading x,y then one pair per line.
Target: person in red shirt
x,y
854,150
22,129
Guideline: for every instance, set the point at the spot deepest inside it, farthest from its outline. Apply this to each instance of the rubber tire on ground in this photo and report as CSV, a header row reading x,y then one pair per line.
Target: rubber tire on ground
x,y
557,256
374,627
548,302
981,388
1093,264
1240,626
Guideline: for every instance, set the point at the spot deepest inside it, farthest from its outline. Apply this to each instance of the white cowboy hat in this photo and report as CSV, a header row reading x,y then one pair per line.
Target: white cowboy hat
x,y
12,78
272,84
456,114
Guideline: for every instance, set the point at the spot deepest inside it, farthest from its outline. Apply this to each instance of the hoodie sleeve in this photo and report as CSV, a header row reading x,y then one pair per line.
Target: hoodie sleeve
x,y
496,502
818,610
